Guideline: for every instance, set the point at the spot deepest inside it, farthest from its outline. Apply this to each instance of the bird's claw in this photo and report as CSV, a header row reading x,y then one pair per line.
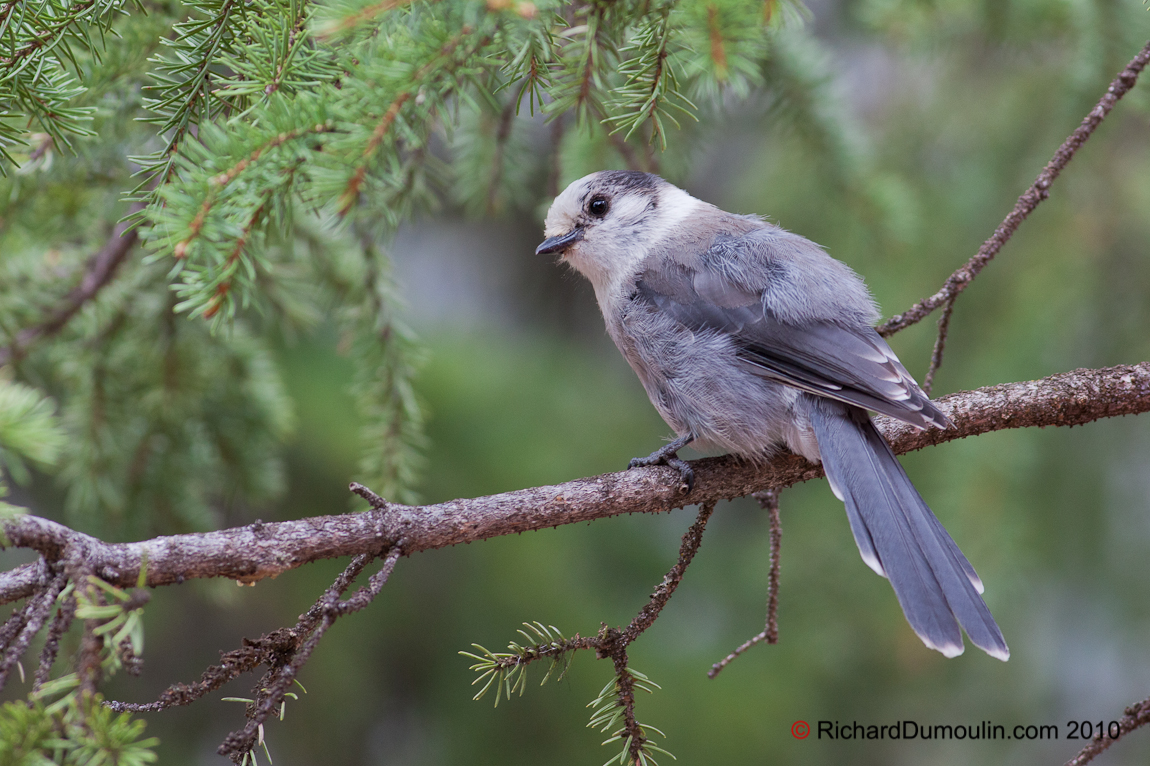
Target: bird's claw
x,y
686,474
669,458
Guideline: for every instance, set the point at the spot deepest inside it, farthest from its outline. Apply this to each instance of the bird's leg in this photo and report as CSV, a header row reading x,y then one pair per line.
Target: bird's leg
x,y
668,455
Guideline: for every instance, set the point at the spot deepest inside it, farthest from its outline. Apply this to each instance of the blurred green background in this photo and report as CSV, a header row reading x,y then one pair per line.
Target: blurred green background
x,y
948,110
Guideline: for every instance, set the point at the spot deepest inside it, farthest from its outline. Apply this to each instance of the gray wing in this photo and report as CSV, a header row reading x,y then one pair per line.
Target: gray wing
x,y
847,363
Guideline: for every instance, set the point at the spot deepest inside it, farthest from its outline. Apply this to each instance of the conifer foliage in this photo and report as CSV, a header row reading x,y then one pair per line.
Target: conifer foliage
x,y
182,184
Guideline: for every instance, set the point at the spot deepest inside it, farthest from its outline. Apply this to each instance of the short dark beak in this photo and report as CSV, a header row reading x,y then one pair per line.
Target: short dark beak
x,y
560,243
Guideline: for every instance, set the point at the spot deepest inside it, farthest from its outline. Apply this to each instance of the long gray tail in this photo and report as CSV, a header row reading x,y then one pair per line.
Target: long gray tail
x,y
898,535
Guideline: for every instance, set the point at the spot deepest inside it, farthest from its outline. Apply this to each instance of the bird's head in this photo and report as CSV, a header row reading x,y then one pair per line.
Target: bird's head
x,y
604,224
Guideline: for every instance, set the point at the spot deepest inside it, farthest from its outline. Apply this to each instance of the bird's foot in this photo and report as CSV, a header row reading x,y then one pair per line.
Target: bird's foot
x,y
668,455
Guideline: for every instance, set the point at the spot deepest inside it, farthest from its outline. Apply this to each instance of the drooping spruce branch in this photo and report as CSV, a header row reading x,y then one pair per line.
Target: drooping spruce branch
x,y
265,120
390,76
184,77
651,83
39,44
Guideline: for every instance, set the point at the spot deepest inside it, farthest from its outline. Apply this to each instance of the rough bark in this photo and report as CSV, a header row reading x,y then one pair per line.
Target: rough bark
x,y
261,550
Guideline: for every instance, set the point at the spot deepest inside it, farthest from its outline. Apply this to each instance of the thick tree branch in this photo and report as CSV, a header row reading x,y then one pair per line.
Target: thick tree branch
x,y
1038,191
260,550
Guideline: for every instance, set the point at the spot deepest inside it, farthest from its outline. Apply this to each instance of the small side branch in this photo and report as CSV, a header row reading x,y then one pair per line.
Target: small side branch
x,y
23,581
769,500
60,624
284,651
99,272
612,644
692,539
273,688
233,664
221,180
25,623
1136,716
1038,191
383,127
614,708
939,346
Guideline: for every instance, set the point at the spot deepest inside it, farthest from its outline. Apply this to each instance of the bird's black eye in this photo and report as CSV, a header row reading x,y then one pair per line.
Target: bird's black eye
x,y
598,206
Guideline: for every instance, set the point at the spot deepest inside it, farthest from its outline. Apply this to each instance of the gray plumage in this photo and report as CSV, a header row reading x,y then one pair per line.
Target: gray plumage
x,y
750,338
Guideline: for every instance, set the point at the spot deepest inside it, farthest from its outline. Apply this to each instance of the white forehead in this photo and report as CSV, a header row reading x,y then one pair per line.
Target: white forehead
x,y
569,203
570,199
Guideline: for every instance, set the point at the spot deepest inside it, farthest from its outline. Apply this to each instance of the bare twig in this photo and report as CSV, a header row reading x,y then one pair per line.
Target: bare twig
x,y
279,643
1136,716
285,651
23,581
275,685
60,624
88,666
232,665
12,627
377,502
687,550
375,583
1038,191
769,500
939,346
25,624
612,643
625,696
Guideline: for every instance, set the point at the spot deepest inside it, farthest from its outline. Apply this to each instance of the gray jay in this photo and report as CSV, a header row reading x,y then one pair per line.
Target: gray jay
x,y
749,338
